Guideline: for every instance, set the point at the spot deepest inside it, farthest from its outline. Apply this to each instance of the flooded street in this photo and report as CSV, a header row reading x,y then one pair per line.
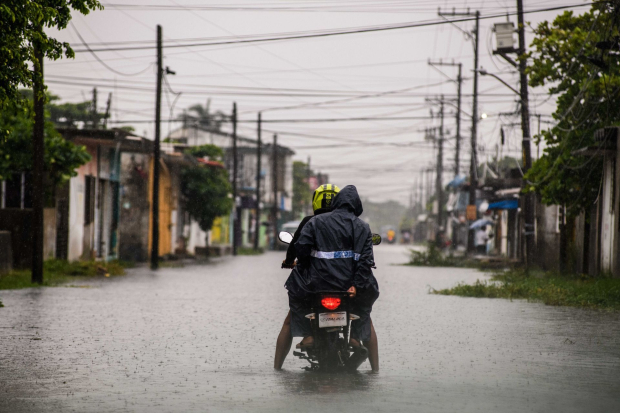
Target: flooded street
x,y
202,338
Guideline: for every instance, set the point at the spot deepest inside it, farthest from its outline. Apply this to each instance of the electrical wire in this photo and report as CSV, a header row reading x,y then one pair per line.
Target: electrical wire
x,y
359,30
104,64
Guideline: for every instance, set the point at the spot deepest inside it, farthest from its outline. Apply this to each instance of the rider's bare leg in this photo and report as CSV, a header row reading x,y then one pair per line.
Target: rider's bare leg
x,y
373,349
307,341
283,344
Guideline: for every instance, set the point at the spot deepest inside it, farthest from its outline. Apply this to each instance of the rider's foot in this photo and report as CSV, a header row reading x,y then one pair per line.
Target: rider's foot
x,y
306,342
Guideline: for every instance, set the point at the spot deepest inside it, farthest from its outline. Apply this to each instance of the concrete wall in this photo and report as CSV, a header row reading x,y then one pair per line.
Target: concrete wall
x,y
49,233
18,223
6,252
80,237
197,238
134,212
76,217
548,237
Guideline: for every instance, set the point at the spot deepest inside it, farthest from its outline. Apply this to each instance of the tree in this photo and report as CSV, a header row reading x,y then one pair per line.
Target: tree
x,y
22,23
68,115
205,118
302,194
573,57
62,158
205,187
71,115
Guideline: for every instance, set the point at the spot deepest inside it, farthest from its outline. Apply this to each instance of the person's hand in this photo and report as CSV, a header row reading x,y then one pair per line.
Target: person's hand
x,y
352,291
287,265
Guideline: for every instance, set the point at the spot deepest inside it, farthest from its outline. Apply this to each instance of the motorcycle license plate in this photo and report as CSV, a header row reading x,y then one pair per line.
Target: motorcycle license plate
x,y
333,319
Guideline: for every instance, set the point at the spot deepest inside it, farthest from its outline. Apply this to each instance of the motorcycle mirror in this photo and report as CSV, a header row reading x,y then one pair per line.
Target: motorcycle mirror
x,y
285,237
376,239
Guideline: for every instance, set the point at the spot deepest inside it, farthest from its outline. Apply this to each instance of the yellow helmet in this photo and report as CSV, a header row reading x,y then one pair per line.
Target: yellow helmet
x,y
324,196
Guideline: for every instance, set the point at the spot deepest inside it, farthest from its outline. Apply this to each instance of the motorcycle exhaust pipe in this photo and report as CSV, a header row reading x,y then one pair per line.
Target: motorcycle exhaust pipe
x,y
360,354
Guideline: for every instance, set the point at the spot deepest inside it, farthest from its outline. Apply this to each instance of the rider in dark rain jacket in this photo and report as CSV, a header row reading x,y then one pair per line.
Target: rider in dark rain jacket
x,y
335,253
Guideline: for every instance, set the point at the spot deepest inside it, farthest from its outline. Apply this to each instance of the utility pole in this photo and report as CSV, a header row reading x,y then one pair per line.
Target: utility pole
x,y
94,109
504,33
457,165
275,190
459,82
473,180
38,146
439,140
236,209
258,173
440,168
107,111
156,157
538,144
525,126
423,192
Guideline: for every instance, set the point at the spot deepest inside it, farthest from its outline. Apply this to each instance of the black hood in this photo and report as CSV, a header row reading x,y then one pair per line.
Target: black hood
x,y
349,199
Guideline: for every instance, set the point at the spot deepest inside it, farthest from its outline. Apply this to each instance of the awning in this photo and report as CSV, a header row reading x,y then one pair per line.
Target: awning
x,y
457,181
506,204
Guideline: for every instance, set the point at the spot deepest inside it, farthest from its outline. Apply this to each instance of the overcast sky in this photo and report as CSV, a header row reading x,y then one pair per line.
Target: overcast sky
x,y
316,78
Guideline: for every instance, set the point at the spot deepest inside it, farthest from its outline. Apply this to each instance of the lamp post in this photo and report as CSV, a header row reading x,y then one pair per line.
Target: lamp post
x,y
485,73
528,204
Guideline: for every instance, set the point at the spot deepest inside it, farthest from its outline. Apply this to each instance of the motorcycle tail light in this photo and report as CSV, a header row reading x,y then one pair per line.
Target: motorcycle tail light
x,y
330,303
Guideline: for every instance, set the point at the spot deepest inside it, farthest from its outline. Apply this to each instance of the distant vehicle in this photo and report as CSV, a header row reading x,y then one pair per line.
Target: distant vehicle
x,y
389,234
291,227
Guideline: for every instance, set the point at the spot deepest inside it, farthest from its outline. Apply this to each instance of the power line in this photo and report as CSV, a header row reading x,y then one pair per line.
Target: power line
x,y
104,63
363,7
368,29
313,120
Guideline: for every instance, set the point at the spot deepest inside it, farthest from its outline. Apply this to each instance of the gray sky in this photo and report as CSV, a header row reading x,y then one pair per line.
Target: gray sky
x,y
381,157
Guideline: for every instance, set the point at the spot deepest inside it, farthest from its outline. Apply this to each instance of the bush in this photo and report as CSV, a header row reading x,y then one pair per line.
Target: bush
x,y
249,251
58,271
432,257
600,292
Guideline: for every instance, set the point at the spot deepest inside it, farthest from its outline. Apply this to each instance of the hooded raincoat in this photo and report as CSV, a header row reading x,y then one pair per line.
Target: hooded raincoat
x,y
335,252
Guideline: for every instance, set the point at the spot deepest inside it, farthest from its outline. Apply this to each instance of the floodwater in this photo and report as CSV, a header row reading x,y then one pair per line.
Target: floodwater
x,y
201,339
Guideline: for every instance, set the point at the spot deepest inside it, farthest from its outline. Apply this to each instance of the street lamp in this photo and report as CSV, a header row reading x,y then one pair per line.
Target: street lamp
x,y
485,73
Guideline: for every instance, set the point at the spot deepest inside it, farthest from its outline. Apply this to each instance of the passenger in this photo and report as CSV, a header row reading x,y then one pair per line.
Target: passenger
x,y
335,252
322,200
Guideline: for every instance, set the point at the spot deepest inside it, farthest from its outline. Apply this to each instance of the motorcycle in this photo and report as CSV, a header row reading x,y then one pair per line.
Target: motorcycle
x,y
330,318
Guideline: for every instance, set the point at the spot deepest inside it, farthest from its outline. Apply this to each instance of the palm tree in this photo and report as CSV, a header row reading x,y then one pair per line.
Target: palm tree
x,y
205,118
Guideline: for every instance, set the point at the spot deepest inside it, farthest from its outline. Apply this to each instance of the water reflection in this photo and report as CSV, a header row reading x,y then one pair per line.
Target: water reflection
x,y
312,382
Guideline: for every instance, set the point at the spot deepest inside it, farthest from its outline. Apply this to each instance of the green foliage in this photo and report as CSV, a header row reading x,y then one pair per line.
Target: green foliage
x,y
212,152
59,271
129,129
587,99
433,257
549,288
249,251
21,24
62,158
302,194
206,189
69,115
